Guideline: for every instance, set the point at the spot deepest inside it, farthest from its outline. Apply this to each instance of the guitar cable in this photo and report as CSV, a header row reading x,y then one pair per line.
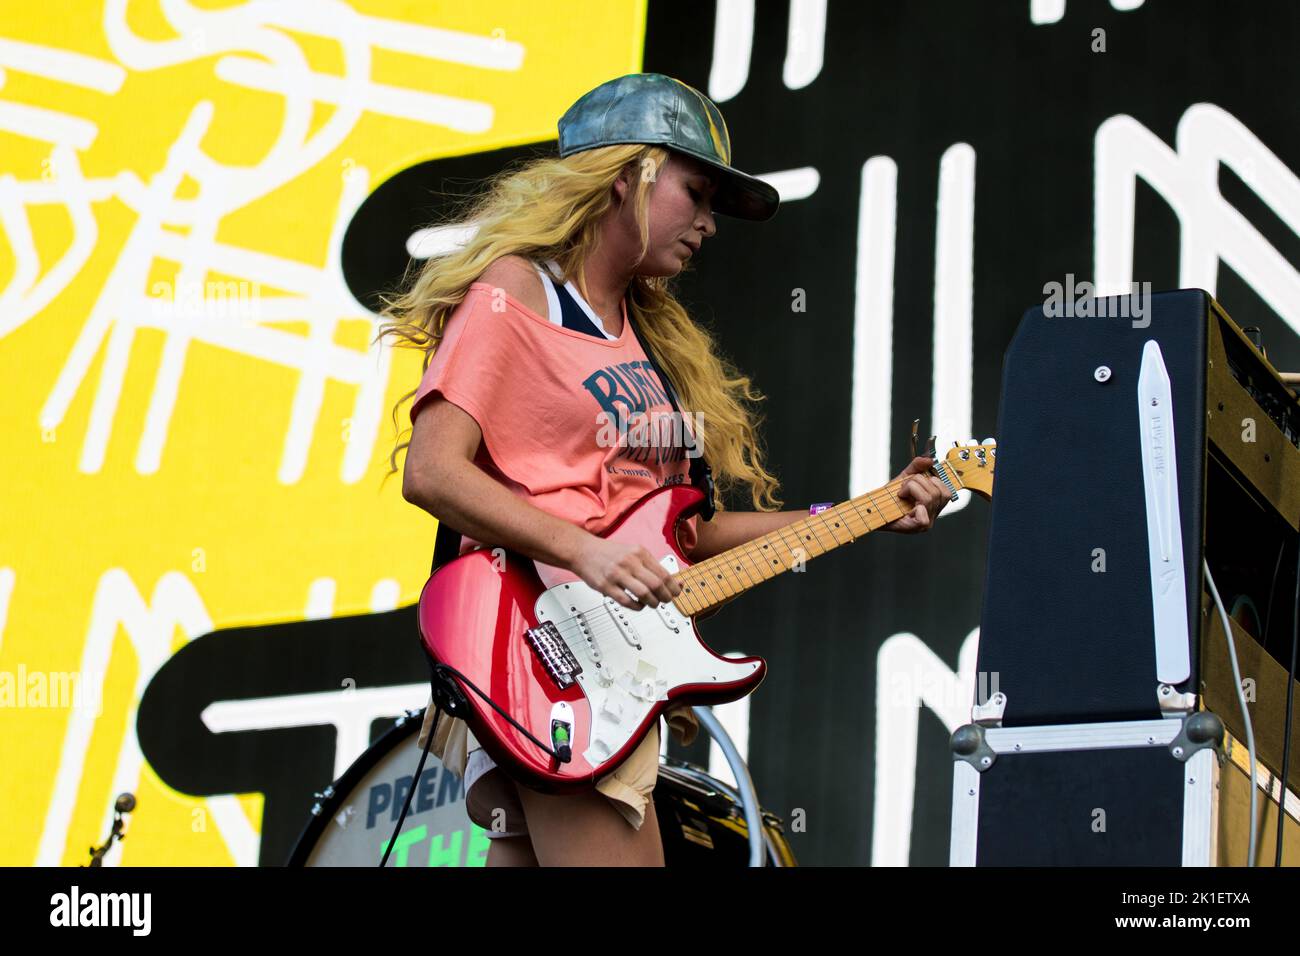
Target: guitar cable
x,y
1290,693
415,783
563,754
1245,712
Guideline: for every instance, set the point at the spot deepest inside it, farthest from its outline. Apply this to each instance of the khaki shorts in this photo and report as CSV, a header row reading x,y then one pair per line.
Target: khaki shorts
x,y
628,788
493,798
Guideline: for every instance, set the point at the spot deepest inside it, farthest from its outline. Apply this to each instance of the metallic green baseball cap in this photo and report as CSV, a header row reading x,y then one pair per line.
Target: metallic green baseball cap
x,y
654,108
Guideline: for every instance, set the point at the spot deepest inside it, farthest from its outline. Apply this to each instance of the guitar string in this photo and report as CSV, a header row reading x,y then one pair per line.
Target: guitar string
x,y
604,631
600,629
610,625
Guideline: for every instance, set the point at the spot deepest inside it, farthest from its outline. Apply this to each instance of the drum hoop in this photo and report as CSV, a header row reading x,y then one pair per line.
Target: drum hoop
x,y
402,728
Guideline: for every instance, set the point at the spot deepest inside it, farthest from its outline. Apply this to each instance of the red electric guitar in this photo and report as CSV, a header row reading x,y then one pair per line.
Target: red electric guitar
x,y
578,678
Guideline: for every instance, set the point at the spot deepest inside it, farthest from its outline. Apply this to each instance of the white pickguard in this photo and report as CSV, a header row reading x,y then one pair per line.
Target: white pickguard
x,y
629,659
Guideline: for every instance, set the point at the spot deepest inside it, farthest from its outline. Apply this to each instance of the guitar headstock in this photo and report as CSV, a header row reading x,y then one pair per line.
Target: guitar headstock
x,y
972,466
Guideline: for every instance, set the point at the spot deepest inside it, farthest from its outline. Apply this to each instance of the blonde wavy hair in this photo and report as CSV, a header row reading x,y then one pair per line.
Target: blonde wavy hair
x,y
550,208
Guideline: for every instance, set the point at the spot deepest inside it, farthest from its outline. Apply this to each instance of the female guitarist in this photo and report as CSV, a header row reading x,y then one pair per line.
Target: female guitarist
x,y
533,334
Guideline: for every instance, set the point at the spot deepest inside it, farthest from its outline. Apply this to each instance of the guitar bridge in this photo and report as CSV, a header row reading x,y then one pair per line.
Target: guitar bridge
x,y
553,654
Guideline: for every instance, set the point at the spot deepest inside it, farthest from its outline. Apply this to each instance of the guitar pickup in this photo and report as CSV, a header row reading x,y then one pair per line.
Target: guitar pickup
x,y
623,622
668,613
671,617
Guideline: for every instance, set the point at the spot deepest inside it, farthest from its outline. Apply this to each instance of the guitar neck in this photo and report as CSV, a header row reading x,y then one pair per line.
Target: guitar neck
x,y
722,577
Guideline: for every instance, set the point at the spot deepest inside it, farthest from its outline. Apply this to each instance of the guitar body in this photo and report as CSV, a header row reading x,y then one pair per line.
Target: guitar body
x,y
569,664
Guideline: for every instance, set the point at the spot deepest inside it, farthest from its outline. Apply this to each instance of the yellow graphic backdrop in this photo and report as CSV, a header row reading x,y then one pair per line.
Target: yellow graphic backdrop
x,y
195,423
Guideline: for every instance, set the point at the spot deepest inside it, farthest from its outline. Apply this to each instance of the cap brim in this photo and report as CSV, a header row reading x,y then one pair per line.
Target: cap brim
x,y
743,196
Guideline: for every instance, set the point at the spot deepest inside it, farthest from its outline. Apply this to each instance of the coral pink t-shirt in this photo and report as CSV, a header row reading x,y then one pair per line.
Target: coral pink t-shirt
x,y
578,426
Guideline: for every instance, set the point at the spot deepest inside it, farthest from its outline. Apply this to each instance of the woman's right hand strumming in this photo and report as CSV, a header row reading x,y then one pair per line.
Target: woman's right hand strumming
x,y
616,567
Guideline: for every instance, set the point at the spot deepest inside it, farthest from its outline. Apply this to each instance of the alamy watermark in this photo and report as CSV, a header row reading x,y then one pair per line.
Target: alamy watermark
x,y
652,429
1080,300
90,908
940,692
205,300
57,690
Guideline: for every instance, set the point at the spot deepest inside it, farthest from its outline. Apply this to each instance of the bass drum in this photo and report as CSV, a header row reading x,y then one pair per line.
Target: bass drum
x,y
353,819
701,820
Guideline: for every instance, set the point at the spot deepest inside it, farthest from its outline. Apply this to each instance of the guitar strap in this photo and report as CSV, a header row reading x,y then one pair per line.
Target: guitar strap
x,y
446,545
701,473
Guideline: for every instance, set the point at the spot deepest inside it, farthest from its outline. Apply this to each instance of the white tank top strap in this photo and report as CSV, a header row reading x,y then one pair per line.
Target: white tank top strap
x,y
554,312
553,300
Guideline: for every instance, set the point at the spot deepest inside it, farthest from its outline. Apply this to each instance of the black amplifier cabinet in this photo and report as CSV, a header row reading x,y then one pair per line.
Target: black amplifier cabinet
x,y
1131,447
1068,626
1098,519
